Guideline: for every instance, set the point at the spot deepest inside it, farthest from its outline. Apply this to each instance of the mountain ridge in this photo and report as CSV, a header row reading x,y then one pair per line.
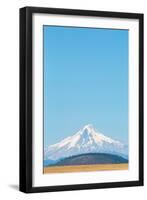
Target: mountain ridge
x,y
86,140
89,159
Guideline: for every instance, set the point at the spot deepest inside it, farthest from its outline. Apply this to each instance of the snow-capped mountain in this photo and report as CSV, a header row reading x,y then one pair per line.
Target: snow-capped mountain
x,y
87,140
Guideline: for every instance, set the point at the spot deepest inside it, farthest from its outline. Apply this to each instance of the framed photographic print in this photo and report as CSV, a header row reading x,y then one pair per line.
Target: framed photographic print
x,y
81,99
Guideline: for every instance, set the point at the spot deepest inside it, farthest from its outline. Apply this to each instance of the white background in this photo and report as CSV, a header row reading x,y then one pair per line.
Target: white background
x,y
9,99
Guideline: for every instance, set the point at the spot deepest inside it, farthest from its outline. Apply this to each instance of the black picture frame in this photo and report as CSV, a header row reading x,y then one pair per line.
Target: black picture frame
x,y
26,97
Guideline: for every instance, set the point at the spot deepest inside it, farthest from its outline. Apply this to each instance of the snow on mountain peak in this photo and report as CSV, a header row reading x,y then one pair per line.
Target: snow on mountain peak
x,y
90,132
87,130
87,140
88,127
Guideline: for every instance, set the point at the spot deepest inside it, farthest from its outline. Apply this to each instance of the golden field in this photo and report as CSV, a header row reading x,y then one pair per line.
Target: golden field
x,y
85,168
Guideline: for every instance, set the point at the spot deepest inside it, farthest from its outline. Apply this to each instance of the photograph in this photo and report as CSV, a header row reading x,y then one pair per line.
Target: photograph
x,y
81,99
85,97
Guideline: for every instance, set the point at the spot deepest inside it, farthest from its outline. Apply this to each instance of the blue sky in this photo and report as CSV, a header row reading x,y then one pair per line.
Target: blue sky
x,y
85,82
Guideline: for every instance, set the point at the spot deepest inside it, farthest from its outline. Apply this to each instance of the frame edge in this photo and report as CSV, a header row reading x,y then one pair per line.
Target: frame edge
x,y
25,101
141,99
